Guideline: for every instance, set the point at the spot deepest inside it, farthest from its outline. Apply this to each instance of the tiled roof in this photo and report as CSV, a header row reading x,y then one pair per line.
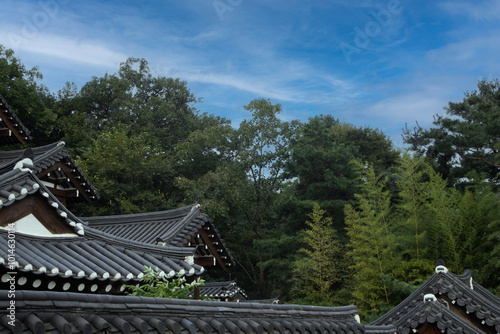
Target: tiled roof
x,y
18,183
62,312
179,227
12,130
90,254
174,227
437,313
99,264
459,291
66,174
222,290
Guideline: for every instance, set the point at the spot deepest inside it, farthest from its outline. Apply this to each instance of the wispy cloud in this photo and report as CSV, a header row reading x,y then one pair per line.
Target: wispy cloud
x,y
486,10
88,52
425,55
468,54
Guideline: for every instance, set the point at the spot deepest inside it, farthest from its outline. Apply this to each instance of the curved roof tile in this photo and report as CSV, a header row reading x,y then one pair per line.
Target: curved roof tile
x,y
176,227
460,290
45,158
222,290
91,257
89,254
62,312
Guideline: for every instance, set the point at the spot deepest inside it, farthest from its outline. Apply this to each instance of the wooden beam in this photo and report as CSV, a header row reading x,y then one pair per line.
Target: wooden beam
x,y
70,175
205,236
64,193
5,133
12,127
204,260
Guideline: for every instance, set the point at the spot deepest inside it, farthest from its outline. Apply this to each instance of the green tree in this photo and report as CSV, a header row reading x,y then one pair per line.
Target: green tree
x,y
412,197
321,159
447,234
372,242
479,212
263,149
159,106
246,184
320,270
129,171
467,138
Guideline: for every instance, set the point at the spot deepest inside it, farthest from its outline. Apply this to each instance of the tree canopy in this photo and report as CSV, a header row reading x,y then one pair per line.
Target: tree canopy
x,y
467,138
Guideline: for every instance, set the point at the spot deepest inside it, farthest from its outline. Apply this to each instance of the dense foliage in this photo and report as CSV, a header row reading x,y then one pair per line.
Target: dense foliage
x,y
156,284
467,138
319,212
396,236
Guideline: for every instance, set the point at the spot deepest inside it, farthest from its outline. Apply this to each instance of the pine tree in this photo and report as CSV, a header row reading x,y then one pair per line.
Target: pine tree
x,y
319,271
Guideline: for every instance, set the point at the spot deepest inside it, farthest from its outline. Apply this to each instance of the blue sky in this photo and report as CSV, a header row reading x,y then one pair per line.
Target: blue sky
x,y
371,63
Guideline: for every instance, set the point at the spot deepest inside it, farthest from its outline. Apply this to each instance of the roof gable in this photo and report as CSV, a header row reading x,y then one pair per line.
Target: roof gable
x,y
465,300
54,165
23,194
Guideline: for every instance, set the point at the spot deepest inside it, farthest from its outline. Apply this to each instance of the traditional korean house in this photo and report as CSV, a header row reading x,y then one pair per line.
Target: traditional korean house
x,y
12,130
55,167
446,303
63,274
55,250
64,312
182,227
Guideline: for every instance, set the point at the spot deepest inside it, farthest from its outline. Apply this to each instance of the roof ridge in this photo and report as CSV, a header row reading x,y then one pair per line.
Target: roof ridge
x,y
177,227
164,250
216,306
118,219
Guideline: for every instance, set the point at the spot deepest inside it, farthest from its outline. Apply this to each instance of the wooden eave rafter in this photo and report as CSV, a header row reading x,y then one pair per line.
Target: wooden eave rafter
x,y
71,176
216,252
12,128
5,132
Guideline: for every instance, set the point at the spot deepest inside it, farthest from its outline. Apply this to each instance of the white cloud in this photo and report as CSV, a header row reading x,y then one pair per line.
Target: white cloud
x,y
468,53
88,52
488,10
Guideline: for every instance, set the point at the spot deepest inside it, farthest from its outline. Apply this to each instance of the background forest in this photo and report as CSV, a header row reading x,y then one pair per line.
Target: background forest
x,y
317,212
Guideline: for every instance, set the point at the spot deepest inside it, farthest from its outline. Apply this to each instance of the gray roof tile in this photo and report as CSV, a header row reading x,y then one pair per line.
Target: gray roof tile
x,y
460,291
90,255
173,227
45,157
